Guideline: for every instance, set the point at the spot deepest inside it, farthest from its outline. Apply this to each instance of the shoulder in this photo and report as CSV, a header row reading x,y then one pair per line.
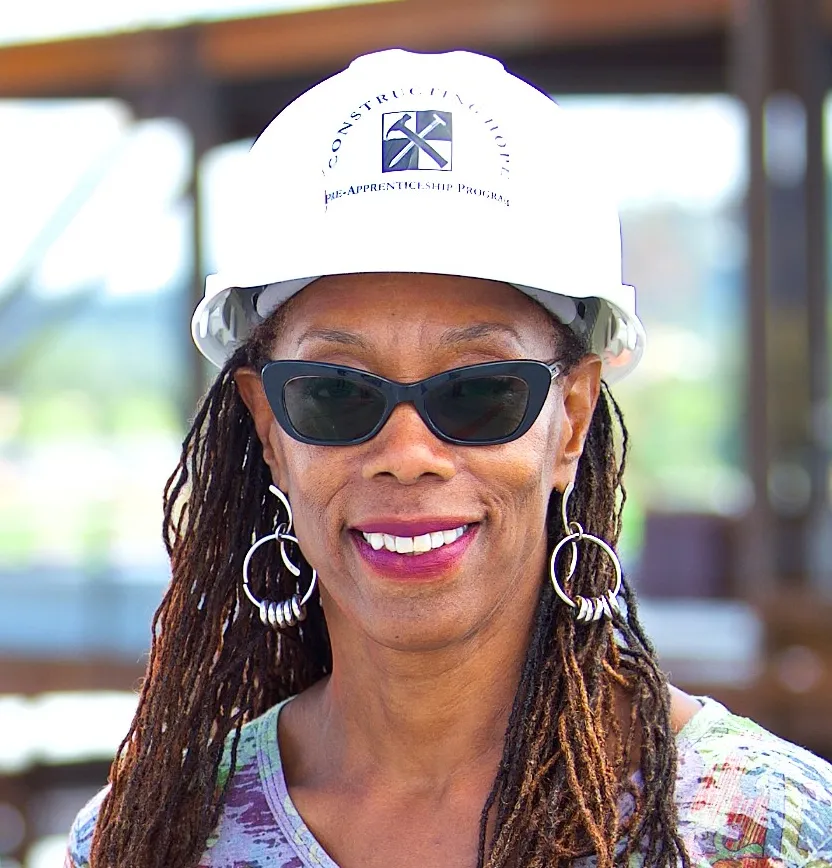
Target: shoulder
x,y
234,762
80,835
743,793
241,757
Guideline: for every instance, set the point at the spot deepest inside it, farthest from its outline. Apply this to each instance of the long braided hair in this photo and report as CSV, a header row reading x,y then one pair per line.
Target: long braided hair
x,y
563,776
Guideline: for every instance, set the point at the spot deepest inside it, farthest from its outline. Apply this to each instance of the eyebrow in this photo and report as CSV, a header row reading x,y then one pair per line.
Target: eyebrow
x,y
449,336
473,332
333,336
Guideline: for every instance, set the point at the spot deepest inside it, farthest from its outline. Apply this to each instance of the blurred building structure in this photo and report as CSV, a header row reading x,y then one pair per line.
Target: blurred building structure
x,y
753,589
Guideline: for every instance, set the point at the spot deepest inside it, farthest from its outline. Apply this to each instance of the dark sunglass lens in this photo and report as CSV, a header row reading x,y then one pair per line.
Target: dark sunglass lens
x,y
479,409
332,408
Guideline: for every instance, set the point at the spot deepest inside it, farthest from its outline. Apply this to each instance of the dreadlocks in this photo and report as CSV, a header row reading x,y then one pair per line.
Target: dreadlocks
x,y
563,775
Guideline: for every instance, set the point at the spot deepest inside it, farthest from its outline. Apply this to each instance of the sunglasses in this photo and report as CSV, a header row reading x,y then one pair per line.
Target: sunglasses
x,y
332,405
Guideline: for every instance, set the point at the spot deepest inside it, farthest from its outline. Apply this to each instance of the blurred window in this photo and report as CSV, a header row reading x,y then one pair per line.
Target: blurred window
x,y
680,169
95,269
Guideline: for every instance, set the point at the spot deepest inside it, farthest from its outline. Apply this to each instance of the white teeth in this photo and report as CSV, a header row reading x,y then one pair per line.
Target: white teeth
x,y
414,545
421,543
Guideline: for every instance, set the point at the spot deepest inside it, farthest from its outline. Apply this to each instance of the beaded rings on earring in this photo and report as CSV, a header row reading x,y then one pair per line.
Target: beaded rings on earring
x,y
587,609
282,613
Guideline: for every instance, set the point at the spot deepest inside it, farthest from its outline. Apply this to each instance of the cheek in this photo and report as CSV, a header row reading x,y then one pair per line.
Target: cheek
x,y
528,464
313,476
297,463
520,478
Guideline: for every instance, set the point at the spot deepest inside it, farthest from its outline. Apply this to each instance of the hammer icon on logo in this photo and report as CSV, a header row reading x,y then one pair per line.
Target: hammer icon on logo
x,y
417,140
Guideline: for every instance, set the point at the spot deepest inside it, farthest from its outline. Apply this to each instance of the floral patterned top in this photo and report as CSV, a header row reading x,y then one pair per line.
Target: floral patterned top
x,y
746,799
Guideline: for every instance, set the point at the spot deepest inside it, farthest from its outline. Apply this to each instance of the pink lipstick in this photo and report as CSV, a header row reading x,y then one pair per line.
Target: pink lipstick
x,y
413,567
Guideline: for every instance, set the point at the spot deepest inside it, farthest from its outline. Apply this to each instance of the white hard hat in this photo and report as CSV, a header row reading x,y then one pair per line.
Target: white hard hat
x,y
425,163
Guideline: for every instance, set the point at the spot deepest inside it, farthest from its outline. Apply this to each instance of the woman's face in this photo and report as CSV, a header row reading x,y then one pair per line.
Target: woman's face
x,y
405,478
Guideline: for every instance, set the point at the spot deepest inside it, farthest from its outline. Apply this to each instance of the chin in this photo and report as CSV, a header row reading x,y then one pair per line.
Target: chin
x,y
420,642
431,626
414,617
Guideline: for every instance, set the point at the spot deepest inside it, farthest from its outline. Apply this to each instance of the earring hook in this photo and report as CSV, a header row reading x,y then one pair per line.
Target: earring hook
x,y
284,532
285,501
573,531
564,504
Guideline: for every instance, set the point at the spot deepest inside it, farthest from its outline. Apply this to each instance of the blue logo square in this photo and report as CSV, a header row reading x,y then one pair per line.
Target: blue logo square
x,y
417,140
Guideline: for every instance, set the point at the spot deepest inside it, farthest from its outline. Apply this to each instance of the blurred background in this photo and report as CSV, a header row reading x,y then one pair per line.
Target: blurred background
x,y
121,128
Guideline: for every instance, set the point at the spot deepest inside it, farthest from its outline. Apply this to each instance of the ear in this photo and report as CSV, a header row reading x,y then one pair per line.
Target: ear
x,y
580,391
250,387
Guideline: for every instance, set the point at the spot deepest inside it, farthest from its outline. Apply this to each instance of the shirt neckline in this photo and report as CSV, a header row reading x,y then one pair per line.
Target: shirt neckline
x,y
270,766
300,837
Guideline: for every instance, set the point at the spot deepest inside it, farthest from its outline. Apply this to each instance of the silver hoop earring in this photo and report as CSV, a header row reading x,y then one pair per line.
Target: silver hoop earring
x,y
283,613
587,609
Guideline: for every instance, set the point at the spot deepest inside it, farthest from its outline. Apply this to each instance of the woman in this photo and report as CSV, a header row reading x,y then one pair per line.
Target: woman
x,y
396,632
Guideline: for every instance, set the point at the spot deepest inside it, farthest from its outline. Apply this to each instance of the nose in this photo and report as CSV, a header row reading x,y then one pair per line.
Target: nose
x,y
408,450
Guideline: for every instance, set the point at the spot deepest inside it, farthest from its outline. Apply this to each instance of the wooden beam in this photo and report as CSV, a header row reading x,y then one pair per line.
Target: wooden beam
x,y
30,677
101,66
279,45
294,43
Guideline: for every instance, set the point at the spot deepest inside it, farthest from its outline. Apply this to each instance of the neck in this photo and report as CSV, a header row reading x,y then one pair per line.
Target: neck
x,y
424,717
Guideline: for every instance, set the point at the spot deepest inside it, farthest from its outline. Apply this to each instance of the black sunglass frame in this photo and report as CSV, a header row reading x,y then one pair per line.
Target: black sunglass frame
x,y
538,377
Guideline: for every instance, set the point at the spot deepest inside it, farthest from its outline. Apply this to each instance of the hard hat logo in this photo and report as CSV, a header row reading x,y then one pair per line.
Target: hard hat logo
x,y
421,142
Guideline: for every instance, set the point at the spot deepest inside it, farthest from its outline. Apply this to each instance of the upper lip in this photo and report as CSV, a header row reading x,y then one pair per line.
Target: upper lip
x,y
412,527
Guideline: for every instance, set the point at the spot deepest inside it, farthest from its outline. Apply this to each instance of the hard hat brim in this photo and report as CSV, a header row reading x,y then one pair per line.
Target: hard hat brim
x,y
218,327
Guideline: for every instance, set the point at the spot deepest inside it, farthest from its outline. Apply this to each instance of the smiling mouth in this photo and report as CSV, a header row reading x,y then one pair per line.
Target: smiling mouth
x,y
414,545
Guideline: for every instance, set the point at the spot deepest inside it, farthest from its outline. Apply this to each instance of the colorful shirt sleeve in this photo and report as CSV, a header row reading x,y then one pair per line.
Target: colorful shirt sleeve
x,y
80,835
748,799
